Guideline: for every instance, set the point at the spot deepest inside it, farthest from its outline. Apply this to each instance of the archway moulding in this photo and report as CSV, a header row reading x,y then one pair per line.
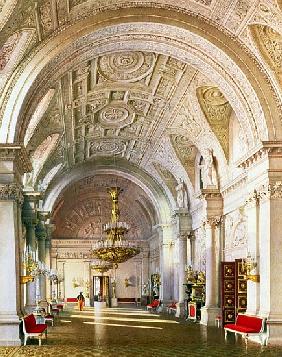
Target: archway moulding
x,y
262,110
121,168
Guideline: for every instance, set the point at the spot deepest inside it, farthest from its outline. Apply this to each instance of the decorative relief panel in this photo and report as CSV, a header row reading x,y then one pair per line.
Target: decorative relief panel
x,y
7,49
217,111
167,177
236,229
186,154
83,209
126,66
269,43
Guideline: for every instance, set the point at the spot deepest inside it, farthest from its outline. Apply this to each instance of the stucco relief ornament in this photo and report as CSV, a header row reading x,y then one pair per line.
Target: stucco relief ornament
x,y
126,66
10,192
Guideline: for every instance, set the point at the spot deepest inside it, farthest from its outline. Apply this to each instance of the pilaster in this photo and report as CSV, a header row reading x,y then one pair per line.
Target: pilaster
x,y
13,163
212,225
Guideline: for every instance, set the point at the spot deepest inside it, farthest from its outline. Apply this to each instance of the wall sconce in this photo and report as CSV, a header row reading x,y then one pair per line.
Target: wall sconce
x,y
248,265
126,282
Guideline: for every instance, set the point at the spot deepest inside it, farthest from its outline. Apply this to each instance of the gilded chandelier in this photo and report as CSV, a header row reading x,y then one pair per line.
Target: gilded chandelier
x,y
115,248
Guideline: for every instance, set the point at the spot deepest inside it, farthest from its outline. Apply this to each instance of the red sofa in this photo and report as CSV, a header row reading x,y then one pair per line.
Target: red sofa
x,y
246,326
32,329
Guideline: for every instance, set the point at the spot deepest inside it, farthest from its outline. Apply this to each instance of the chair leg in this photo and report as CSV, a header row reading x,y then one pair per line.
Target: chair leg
x,y
225,334
39,341
25,339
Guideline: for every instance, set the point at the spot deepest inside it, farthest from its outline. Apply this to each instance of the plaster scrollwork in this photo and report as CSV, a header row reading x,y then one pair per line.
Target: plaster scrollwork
x,y
217,111
269,43
107,147
126,66
7,49
12,191
116,116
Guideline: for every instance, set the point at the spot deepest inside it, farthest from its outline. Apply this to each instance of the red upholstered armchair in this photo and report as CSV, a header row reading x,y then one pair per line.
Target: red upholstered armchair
x,y
154,305
32,329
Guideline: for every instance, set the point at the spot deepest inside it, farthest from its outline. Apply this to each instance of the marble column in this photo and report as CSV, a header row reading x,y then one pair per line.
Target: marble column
x,y
253,288
211,308
49,230
29,216
13,163
166,244
41,235
270,209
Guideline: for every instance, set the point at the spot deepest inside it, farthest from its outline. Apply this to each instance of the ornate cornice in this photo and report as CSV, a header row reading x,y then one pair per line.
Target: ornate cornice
x,y
265,150
18,154
11,192
235,184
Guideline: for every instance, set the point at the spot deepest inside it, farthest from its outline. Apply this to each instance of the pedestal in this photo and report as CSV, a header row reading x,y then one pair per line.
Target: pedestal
x,y
114,302
208,315
99,305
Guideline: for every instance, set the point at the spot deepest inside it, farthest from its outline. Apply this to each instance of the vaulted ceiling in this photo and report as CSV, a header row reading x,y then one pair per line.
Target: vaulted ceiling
x,y
132,90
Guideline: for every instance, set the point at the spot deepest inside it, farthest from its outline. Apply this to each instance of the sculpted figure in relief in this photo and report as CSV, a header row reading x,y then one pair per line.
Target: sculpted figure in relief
x,y
208,169
182,200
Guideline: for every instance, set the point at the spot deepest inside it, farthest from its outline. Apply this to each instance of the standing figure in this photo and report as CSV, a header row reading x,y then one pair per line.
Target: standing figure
x,y
208,169
80,301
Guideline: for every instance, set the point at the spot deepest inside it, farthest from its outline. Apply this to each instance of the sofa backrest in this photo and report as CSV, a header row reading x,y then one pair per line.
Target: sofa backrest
x,y
253,322
29,322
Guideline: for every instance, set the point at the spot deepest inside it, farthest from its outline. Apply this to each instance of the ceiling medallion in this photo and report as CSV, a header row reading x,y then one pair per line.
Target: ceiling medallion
x,y
126,66
116,116
115,248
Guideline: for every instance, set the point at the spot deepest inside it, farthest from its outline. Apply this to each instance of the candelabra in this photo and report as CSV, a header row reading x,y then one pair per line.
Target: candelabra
x,y
248,266
115,248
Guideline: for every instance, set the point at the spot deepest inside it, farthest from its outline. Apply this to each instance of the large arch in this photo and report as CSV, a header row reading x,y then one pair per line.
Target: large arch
x,y
161,202
262,110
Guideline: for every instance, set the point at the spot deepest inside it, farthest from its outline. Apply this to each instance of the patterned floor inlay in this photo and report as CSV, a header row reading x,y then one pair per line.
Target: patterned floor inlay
x,y
131,332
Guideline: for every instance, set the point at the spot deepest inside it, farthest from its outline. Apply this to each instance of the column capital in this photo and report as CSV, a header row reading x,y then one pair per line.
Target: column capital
x,y
213,221
252,199
183,236
18,155
271,190
11,192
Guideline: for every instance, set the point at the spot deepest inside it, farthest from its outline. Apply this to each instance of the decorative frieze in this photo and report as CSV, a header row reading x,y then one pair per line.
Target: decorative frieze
x,y
17,154
265,150
11,192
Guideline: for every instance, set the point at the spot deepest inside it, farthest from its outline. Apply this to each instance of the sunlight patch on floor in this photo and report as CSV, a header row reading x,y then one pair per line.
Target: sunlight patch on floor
x,y
119,325
125,319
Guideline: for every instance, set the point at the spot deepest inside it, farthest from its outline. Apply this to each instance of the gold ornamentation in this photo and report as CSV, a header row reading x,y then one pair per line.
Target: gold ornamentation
x,y
269,43
115,249
217,111
26,279
248,266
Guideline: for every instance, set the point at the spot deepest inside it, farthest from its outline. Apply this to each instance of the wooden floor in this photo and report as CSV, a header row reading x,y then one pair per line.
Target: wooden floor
x,y
123,332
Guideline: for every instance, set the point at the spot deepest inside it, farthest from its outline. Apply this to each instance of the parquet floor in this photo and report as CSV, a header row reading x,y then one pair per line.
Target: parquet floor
x,y
126,332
